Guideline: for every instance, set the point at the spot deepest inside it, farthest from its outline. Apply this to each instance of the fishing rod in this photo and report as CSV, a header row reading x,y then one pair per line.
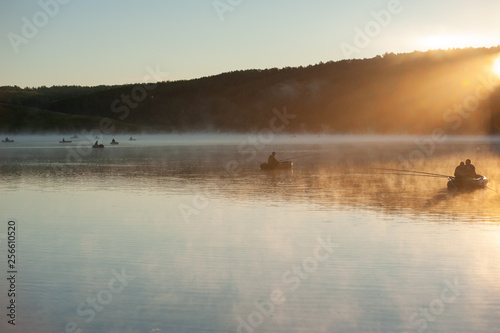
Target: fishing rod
x,y
289,158
415,172
411,174
489,188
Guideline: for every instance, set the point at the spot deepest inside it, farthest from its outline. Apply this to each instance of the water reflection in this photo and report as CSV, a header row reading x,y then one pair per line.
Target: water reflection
x,y
335,175
247,232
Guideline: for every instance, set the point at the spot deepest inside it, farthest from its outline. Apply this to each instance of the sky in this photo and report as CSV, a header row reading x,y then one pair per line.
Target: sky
x,y
94,42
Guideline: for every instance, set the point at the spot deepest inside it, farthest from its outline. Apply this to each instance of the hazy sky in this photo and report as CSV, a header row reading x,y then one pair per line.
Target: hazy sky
x,y
92,42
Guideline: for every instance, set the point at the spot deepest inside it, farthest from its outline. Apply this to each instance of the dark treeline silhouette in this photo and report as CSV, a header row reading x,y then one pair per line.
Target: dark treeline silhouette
x,y
414,93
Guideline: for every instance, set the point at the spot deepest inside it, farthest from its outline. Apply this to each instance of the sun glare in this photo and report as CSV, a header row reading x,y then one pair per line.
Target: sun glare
x,y
455,41
496,66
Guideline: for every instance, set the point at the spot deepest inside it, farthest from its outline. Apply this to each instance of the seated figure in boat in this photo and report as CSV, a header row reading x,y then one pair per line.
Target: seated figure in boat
x,y
460,171
470,170
272,161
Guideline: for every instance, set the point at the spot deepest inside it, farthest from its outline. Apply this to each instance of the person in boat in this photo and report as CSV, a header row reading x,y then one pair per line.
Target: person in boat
x,y
113,141
272,161
460,171
96,144
470,170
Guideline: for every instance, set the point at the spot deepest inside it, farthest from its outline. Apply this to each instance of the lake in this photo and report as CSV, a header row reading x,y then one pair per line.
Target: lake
x,y
184,233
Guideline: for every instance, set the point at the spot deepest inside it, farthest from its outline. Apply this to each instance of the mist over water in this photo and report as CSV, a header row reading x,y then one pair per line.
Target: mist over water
x,y
212,244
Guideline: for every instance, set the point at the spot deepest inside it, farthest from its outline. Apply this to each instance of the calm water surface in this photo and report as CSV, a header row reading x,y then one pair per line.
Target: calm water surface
x,y
184,233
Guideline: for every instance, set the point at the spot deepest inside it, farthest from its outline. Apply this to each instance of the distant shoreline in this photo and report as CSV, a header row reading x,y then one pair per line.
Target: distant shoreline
x,y
446,92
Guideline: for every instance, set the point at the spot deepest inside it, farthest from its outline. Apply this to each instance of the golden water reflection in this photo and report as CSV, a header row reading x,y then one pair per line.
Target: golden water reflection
x,y
399,237
333,175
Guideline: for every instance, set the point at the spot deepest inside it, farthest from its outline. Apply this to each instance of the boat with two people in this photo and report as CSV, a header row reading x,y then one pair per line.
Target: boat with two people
x,y
465,178
7,140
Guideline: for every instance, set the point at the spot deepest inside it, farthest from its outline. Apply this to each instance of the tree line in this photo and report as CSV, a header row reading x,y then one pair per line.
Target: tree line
x,y
411,93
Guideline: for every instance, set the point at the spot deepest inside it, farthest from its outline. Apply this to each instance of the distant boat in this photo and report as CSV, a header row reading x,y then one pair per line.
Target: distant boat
x,y
467,184
97,145
64,141
74,137
7,140
113,142
131,139
283,165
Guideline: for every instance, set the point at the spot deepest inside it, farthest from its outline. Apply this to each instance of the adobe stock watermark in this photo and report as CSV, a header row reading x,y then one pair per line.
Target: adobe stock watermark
x,y
224,6
87,310
454,117
254,143
248,150
137,94
30,28
292,280
120,106
419,320
372,29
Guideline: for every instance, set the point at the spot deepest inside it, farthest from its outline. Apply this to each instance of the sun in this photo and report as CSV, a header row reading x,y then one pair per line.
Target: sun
x,y
496,66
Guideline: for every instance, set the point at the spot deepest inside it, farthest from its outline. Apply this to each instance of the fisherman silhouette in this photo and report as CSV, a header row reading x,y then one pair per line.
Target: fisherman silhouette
x,y
272,161
470,170
460,171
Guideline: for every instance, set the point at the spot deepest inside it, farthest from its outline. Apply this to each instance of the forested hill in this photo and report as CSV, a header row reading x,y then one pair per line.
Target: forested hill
x,y
454,91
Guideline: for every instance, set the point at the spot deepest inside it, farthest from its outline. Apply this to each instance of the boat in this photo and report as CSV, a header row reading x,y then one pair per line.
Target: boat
x,y
131,139
7,140
114,143
283,165
467,184
98,146
64,141
74,137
